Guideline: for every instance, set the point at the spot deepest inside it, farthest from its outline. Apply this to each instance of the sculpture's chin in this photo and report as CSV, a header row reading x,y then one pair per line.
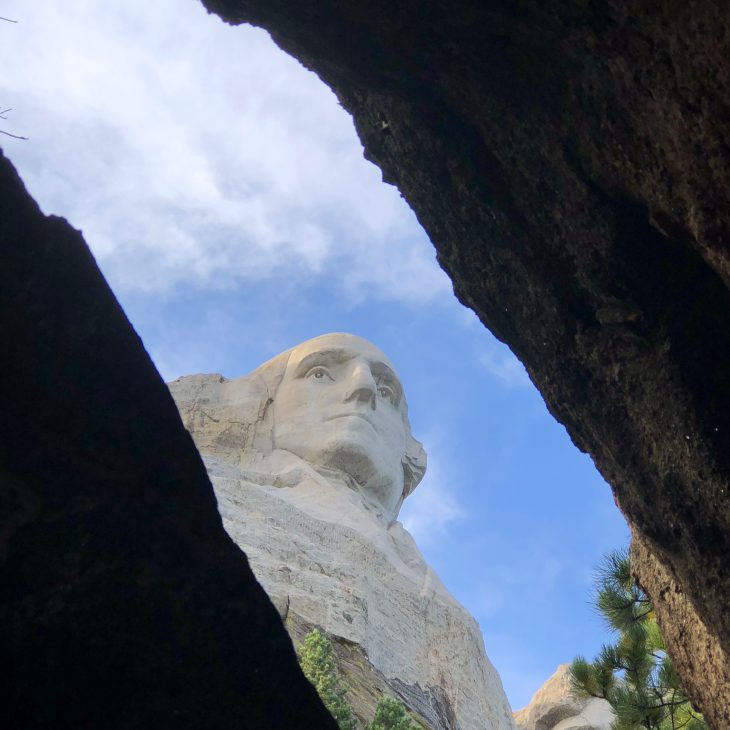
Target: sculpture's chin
x,y
365,461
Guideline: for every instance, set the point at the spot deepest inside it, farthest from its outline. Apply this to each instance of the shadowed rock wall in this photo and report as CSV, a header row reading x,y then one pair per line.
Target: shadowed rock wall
x,y
569,161
123,603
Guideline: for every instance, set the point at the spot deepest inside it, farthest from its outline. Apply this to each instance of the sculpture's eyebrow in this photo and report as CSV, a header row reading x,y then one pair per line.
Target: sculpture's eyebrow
x,y
322,357
384,374
335,356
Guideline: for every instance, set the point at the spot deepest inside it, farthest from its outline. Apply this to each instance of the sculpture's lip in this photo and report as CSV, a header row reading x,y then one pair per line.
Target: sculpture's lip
x,y
361,416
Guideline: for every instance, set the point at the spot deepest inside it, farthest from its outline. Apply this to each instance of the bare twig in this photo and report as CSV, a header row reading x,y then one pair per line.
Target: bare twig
x,y
2,131
9,109
14,136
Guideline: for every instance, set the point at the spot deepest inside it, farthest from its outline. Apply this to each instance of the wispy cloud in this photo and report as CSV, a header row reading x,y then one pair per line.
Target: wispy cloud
x,y
499,362
194,154
525,583
433,509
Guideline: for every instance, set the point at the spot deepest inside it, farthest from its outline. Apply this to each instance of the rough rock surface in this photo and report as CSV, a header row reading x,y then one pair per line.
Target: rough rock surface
x,y
570,162
123,602
327,561
553,707
689,641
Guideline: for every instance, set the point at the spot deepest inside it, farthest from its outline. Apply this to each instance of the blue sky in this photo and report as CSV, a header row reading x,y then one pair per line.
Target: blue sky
x,y
223,191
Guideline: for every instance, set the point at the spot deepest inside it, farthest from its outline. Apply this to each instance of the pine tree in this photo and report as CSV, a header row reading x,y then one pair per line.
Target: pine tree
x,y
634,674
317,660
390,714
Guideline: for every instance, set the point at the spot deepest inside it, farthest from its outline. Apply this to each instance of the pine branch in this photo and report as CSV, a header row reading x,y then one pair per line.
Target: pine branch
x,y
635,675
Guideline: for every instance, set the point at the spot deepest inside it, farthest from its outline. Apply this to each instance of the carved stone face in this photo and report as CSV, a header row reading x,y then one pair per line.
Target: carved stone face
x,y
340,406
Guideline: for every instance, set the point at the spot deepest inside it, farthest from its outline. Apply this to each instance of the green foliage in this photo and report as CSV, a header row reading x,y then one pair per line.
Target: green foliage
x,y
390,714
317,660
634,674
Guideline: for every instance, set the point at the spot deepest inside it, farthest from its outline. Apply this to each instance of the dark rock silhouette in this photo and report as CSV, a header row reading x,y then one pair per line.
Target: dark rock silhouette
x,y
124,602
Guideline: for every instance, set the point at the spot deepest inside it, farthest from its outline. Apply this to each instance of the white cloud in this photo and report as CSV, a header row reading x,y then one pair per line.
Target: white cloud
x,y
504,366
433,509
196,154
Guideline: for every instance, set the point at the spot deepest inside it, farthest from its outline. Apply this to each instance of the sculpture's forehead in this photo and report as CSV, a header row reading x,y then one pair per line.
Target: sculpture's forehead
x,y
339,345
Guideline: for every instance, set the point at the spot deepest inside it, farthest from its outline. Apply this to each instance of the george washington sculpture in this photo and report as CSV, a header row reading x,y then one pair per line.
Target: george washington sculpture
x,y
334,402
311,456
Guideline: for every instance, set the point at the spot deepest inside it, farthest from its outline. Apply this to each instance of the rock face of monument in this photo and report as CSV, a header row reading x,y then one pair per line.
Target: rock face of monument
x,y
311,456
554,708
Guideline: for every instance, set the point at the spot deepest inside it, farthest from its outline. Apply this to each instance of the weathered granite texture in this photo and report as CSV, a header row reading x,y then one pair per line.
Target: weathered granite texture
x,y
570,162
325,561
688,640
553,707
123,602
311,455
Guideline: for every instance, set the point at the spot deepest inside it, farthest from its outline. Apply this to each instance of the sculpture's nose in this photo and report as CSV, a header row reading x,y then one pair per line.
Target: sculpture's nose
x,y
361,386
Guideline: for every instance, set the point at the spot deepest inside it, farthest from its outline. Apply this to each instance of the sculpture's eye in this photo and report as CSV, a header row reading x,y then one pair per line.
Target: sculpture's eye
x,y
319,373
385,391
